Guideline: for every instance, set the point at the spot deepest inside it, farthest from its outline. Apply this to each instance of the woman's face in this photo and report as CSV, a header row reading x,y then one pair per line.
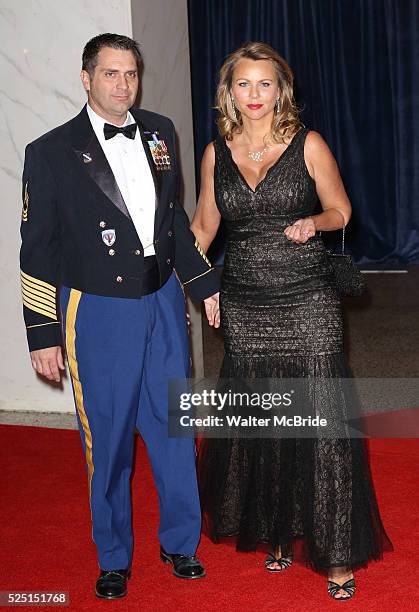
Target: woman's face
x,y
254,88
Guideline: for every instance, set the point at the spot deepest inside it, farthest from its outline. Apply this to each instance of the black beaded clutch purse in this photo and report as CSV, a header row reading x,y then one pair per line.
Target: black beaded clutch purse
x,y
347,276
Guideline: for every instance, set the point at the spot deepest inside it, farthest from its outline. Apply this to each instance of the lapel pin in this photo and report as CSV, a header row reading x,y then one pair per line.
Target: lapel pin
x,y
109,237
87,158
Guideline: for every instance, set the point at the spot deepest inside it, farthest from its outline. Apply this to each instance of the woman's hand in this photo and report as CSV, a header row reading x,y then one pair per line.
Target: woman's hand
x,y
301,230
212,309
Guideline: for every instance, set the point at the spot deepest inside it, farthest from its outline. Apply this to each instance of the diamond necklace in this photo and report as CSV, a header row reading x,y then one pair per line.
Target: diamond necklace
x,y
257,156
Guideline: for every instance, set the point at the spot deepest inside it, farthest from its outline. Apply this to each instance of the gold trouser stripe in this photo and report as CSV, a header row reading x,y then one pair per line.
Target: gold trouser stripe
x,y
31,305
42,324
199,276
180,283
70,326
35,297
38,281
46,293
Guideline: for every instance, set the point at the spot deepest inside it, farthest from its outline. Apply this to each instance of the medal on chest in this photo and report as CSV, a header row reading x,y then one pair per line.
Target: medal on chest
x,y
159,153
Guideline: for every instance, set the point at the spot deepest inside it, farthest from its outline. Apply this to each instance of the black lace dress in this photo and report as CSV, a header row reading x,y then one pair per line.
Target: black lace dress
x,y
281,317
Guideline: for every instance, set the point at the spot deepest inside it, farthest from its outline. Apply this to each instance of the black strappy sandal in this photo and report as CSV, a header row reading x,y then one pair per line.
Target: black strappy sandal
x,y
349,587
283,562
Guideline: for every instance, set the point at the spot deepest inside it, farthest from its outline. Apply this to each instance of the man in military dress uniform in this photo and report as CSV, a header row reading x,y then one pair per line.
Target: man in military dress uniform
x,y
106,242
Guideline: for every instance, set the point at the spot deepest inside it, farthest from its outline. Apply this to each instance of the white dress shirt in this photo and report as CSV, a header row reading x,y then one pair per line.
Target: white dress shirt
x,y
132,173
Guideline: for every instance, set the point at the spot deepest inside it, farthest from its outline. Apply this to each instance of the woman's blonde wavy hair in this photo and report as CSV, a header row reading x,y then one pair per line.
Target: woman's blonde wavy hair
x,y
285,122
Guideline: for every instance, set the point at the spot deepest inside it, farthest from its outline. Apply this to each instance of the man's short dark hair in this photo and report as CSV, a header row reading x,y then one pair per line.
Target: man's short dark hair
x,y
114,41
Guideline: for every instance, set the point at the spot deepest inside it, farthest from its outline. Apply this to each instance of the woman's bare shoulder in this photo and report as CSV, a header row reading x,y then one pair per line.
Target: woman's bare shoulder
x,y
208,158
209,150
315,140
315,146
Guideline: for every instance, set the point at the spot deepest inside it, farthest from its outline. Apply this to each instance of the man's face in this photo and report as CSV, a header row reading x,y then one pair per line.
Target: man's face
x,y
113,87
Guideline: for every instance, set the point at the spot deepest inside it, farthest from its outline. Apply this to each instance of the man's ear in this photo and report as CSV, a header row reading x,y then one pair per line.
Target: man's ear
x,y
85,79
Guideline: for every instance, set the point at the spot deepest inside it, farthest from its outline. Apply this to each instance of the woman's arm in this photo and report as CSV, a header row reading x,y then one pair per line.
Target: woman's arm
x,y
337,210
207,217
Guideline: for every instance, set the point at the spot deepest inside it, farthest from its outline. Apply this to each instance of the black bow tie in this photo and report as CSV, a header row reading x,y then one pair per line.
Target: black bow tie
x,y
111,130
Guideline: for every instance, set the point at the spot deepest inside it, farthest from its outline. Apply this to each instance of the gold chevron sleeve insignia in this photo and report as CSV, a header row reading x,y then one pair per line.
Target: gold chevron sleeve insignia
x,y
25,204
201,252
39,296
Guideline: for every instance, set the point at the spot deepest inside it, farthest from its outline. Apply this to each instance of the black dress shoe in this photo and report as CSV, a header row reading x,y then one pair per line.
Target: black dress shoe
x,y
184,566
112,584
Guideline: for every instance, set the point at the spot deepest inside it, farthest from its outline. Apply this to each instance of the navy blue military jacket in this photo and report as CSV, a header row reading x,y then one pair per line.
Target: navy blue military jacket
x,y
70,197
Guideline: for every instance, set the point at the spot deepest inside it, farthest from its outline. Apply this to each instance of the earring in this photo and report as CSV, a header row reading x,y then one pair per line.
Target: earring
x,y
233,109
277,107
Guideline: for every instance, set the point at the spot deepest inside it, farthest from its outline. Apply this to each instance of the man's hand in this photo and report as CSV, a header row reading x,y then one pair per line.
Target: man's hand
x,y
48,362
212,309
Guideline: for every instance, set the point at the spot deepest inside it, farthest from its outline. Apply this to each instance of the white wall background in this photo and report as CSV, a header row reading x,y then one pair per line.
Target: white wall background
x,y
40,59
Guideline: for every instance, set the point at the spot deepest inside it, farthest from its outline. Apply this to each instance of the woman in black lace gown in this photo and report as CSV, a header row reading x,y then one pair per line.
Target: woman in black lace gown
x,y
281,317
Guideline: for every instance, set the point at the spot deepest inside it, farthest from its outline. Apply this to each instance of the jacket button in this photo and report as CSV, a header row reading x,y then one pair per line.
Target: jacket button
x,y
102,224
119,279
137,252
171,205
167,261
169,233
111,252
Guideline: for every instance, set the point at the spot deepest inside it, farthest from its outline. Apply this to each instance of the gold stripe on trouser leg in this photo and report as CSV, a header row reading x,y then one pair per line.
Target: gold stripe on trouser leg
x,y
70,327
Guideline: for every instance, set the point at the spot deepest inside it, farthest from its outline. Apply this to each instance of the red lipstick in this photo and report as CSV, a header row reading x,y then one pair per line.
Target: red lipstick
x,y
254,106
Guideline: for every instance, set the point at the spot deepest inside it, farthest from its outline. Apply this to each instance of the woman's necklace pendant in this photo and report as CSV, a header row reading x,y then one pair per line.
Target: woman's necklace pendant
x,y
257,156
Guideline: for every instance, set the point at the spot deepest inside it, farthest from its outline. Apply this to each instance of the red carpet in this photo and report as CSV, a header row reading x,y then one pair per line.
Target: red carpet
x,y
45,538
